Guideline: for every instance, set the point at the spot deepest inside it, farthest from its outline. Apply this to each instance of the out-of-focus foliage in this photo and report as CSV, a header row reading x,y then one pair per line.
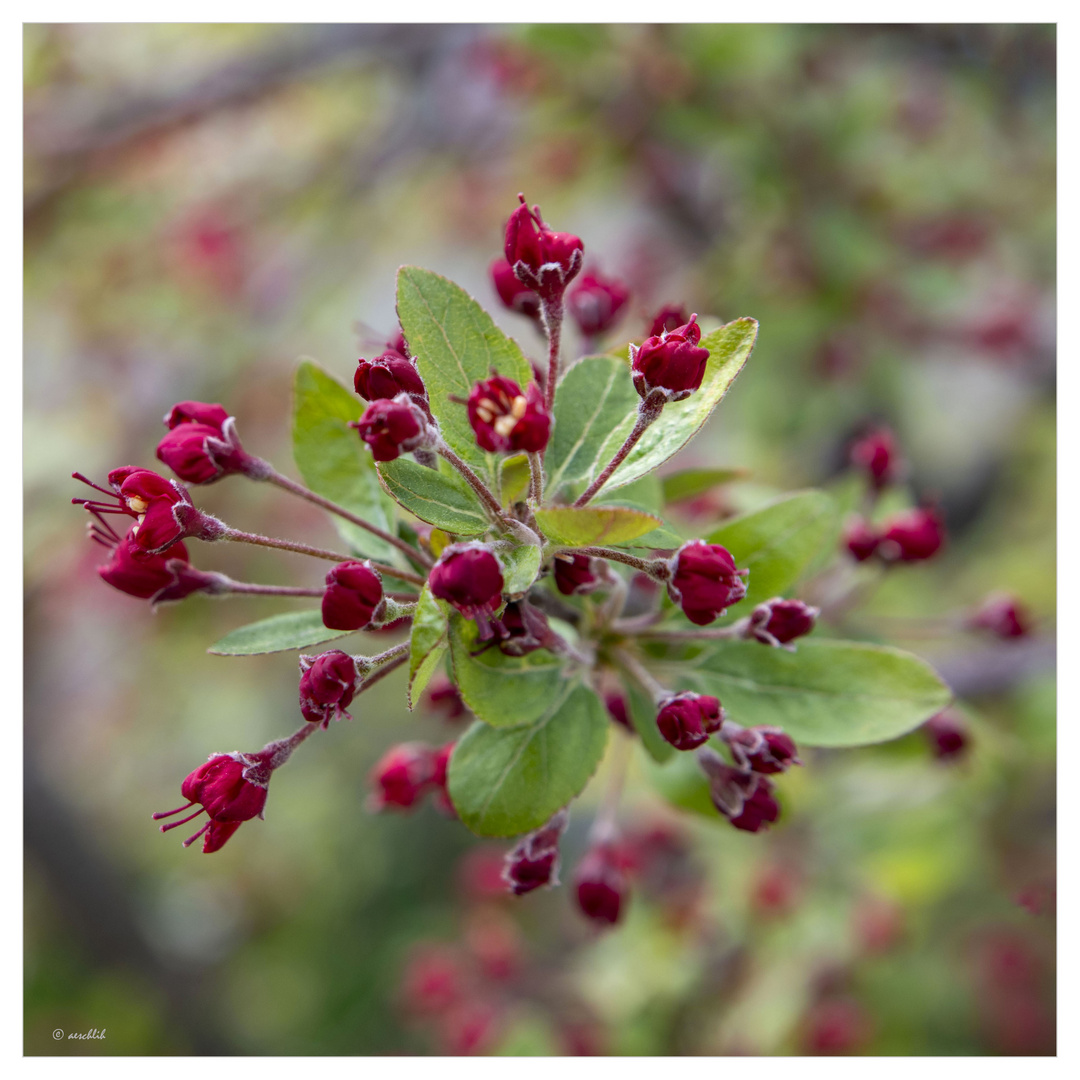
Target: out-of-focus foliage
x,y
206,204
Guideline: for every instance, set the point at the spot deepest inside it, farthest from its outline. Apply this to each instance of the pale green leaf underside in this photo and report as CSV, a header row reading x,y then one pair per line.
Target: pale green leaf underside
x,y
520,565
427,642
688,483
292,630
440,499
595,524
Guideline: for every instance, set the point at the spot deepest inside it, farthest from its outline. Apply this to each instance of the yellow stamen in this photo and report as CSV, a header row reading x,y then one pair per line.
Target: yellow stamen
x,y
518,407
505,425
137,504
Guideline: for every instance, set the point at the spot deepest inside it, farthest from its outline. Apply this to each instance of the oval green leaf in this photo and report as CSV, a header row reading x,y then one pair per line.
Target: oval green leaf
x,y
438,498
585,525
293,630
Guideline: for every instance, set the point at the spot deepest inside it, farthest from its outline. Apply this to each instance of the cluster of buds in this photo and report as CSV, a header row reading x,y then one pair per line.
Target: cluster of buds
x,y
542,260
911,536
328,683
409,771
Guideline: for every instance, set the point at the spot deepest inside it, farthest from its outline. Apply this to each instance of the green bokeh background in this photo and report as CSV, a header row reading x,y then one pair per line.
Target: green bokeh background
x,y
205,204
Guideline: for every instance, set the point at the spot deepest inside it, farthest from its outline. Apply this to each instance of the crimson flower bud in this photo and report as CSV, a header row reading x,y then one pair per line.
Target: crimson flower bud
x,y
533,862
704,581
1003,615
600,884
202,444
401,776
912,536
875,453
618,710
777,622
761,749
669,317
230,788
387,376
861,539
440,769
327,685
433,980
744,798
948,736
353,595
673,362
444,695
575,574
468,577
514,294
392,427
687,720
398,345
543,260
760,810
506,420
596,302
522,629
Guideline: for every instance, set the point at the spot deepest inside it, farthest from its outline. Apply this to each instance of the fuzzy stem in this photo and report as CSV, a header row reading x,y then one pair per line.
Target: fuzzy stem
x,y
229,586
604,825
536,478
483,492
641,674
553,317
366,664
655,568
648,411
385,670
274,477
318,553
721,633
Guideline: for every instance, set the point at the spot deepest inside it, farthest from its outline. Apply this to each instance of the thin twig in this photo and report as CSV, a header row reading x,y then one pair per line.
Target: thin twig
x,y
655,568
641,674
648,411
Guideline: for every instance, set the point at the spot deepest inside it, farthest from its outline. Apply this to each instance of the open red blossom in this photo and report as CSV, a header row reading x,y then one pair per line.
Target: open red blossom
x,y
596,303
544,260
861,539
669,317
1002,615
387,376
761,749
353,595
705,581
468,577
202,444
876,455
328,684
673,362
533,862
391,427
687,720
575,575
230,788
516,295
505,419
600,885
778,622
912,536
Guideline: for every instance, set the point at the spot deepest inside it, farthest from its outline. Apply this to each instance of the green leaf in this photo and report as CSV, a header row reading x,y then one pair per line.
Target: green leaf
x,y
643,717
826,693
455,344
335,463
503,691
646,494
427,643
514,478
292,630
520,565
595,524
689,483
441,499
592,399
777,543
729,348
682,783
505,781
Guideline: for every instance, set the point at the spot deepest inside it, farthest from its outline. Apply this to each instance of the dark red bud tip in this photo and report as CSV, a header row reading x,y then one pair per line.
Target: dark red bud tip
x,y
745,798
543,260
353,593
387,376
468,577
202,445
138,573
327,687
600,885
506,419
514,294
575,575
446,697
596,303
391,427
533,862
948,736
402,775
618,710
687,720
672,362
861,539
1002,615
777,621
876,455
912,536
668,318
705,581
761,749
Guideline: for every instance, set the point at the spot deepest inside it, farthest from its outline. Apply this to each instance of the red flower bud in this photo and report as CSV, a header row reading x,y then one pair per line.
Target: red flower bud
x,y
912,536
669,317
514,294
157,578
777,621
444,695
543,260
506,420
948,736
468,577
1003,615
760,810
440,770
522,629
672,362
861,539
760,749
327,685
202,444
353,595
687,720
575,575
596,302
391,427
387,376
600,885
533,862
618,710
875,453
744,798
398,345
433,980
402,775
705,581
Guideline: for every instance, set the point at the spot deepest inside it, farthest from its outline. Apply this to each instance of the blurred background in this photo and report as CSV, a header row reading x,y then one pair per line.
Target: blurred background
x,y
206,204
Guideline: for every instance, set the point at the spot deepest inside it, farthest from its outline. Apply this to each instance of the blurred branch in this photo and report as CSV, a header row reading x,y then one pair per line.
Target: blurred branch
x,y
998,667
